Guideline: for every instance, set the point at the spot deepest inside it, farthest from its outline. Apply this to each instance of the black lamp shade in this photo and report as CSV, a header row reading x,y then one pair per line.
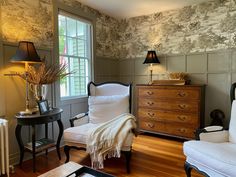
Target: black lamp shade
x,y
26,53
151,57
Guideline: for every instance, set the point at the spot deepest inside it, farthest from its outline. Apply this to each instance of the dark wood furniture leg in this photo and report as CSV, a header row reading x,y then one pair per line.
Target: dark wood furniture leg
x,y
33,147
188,169
46,136
60,125
128,157
20,142
67,151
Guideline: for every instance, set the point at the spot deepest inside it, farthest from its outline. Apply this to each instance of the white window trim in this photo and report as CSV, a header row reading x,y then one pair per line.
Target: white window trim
x,y
89,44
59,6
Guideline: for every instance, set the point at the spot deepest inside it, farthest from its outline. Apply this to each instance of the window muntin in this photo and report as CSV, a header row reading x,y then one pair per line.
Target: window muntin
x,y
75,50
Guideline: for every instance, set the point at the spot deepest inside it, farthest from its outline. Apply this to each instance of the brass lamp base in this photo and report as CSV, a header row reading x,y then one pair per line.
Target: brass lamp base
x,y
150,82
27,112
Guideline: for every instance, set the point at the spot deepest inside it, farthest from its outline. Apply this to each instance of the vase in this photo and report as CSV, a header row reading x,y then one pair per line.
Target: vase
x,y
39,91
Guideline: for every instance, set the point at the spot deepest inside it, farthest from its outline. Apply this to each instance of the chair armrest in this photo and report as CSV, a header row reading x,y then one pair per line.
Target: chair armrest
x,y
215,134
79,119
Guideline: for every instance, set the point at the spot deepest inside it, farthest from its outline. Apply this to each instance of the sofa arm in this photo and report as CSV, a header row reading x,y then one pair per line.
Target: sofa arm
x,y
79,119
215,134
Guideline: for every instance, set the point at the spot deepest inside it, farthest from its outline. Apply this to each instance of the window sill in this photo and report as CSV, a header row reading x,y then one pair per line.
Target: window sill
x,y
72,100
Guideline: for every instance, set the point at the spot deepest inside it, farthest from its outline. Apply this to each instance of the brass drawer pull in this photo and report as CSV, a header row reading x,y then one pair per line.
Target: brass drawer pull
x,y
150,125
151,114
182,130
182,118
182,94
150,93
150,103
182,106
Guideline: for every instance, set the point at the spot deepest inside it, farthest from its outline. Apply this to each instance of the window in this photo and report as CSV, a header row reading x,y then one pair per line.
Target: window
x,y
75,49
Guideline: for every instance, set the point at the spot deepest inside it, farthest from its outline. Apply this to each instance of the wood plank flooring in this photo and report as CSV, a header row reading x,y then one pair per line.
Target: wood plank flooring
x,y
152,157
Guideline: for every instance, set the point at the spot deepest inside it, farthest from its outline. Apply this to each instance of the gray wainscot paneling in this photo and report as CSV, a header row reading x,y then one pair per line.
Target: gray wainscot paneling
x,y
219,61
127,79
139,67
233,67
198,78
176,63
66,115
217,94
197,63
106,69
127,67
233,77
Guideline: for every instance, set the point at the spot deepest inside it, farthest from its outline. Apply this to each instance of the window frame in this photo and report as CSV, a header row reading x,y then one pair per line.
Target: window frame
x,y
78,12
88,59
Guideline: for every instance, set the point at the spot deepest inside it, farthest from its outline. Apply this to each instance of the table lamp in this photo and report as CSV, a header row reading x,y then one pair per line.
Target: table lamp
x,y
150,59
26,53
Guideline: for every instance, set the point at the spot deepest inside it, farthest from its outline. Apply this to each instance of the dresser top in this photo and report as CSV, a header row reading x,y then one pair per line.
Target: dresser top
x,y
190,85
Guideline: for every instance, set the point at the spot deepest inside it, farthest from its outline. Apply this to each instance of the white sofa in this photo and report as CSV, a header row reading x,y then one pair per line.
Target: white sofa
x,y
215,154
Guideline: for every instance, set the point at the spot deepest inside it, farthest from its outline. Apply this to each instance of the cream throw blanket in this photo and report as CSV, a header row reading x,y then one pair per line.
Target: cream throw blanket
x,y
108,138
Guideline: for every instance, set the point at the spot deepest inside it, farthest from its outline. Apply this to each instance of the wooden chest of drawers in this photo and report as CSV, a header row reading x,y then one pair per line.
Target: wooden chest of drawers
x,y
176,110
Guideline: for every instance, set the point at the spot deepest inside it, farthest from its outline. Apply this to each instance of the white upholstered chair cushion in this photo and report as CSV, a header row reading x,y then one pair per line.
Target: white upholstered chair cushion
x,y
214,158
108,89
105,108
79,134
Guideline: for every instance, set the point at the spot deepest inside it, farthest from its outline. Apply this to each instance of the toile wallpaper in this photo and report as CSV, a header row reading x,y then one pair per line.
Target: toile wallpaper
x,y
198,28
27,20
106,30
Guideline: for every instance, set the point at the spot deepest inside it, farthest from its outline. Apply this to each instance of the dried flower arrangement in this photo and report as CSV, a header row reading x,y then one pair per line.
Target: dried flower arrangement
x,y
178,76
45,74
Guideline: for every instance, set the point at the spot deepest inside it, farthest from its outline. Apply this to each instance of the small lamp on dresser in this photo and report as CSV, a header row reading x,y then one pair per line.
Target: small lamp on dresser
x,y
150,59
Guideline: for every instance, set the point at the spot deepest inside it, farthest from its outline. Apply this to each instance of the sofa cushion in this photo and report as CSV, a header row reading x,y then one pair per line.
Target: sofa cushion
x,y
217,157
105,108
79,134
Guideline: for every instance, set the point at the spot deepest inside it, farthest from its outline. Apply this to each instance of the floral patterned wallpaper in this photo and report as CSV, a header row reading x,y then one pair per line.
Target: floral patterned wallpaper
x,y
198,28
27,20
106,30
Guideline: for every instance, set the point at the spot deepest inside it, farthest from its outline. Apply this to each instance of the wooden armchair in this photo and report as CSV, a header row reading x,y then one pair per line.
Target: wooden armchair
x,y
114,98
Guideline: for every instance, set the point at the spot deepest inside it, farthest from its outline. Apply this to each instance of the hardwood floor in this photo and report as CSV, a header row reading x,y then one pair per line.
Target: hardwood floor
x,y
151,157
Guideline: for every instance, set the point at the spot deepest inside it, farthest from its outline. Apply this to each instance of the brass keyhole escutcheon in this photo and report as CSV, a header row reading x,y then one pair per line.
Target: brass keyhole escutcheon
x,y
182,94
149,92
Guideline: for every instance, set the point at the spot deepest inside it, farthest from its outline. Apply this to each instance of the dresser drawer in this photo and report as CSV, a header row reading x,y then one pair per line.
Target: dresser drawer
x,y
181,130
178,93
170,129
152,126
168,116
192,107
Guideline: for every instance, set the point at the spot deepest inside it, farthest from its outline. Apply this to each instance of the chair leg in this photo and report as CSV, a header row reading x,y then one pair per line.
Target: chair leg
x,y
128,157
67,152
188,169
